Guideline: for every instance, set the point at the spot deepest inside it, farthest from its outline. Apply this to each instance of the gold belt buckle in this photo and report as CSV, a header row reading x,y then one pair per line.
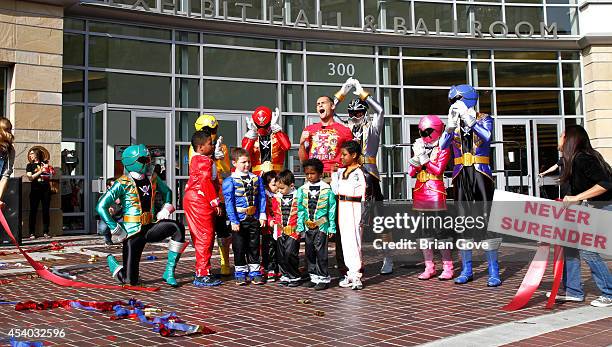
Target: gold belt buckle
x,y
146,218
311,224
288,230
266,166
422,176
468,159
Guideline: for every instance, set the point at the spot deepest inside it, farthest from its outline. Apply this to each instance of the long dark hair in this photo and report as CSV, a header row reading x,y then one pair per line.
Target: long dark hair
x,y
577,141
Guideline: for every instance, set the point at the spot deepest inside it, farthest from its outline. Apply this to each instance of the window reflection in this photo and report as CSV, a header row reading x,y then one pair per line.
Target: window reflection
x,y
233,63
531,75
349,10
434,73
538,103
238,95
426,101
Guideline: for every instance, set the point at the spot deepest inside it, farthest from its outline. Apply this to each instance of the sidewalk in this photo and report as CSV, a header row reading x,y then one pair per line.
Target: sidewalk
x,y
395,310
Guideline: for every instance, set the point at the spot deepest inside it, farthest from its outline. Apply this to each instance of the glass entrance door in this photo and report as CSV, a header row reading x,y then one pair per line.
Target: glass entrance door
x,y
528,147
115,129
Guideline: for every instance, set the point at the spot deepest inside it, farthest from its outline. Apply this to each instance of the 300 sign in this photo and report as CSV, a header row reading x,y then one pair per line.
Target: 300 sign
x,y
341,69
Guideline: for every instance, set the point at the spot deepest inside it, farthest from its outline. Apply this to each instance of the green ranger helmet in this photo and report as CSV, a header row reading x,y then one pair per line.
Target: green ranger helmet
x,y
136,158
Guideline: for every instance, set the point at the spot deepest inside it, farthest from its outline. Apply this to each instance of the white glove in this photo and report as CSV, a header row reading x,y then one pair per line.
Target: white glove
x,y
118,234
469,117
346,87
358,88
274,126
165,212
454,113
252,133
415,161
418,147
219,148
424,158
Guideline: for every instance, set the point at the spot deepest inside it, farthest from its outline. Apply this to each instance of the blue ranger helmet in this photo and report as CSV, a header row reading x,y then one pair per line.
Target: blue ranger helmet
x,y
464,92
136,158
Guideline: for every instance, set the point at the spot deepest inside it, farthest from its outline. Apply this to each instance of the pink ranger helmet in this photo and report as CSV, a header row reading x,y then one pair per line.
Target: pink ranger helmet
x,y
430,128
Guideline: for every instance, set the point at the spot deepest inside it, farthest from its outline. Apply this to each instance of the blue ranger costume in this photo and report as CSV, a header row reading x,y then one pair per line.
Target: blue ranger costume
x,y
136,194
470,134
245,204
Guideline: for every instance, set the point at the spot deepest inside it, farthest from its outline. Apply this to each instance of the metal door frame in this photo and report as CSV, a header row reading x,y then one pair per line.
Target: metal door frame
x,y
535,148
499,154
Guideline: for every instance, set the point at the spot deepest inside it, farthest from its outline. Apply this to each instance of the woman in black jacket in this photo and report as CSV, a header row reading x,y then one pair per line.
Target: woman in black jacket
x,y
589,177
39,172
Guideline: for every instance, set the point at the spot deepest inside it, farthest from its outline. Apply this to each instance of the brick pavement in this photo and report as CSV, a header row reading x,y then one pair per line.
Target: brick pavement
x,y
395,310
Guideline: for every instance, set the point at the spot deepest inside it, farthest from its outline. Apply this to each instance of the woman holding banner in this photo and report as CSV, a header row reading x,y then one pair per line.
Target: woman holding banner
x,y
589,177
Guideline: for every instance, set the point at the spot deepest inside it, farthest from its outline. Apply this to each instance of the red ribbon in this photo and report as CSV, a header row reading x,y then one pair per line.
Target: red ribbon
x,y
532,279
557,275
44,272
54,246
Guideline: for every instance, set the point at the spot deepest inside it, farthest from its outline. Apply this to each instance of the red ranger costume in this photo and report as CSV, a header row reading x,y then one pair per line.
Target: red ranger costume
x,y
199,203
265,141
285,215
429,193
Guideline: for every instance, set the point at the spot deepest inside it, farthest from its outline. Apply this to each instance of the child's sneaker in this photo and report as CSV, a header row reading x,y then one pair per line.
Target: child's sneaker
x,y
357,285
271,276
321,286
240,279
258,279
346,282
206,281
602,301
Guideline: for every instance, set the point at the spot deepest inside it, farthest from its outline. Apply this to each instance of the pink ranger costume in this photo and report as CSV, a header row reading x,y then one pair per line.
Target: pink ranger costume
x,y
429,193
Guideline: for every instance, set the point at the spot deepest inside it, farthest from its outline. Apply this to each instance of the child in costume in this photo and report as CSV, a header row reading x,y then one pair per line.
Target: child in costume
x,y
353,186
201,205
245,204
429,193
208,123
317,220
284,226
136,194
268,238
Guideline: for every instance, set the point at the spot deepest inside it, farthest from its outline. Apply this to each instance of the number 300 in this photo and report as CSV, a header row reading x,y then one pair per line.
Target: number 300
x,y
341,69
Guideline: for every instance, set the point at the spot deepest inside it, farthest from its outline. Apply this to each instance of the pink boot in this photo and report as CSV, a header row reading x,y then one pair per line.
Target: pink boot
x,y
447,265
430,267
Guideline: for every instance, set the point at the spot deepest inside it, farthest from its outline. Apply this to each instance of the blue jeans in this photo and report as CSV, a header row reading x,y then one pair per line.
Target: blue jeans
x,y
599,271
104,230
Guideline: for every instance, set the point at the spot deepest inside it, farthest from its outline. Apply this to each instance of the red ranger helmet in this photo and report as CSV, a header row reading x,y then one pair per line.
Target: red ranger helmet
x,y
262,116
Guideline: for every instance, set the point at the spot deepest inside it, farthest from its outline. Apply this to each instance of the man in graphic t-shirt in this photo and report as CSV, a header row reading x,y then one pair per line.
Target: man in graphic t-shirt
x,y
323,140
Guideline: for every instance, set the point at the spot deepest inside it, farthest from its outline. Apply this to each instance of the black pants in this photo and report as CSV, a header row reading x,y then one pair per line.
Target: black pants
x,y
288,257
40,195
222,227
316,255
269,253
133,246
245,244
473,195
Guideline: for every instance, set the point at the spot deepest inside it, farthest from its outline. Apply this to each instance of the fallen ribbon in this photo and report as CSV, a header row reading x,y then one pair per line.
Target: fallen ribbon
x,y
44,272
53,246
532,279
166,325
17,343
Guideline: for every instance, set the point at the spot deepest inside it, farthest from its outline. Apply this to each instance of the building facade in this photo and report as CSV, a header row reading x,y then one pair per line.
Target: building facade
x,y
87,78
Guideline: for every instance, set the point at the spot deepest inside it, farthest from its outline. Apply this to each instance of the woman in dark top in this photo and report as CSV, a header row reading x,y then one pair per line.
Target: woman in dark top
x,y
588,177
39,172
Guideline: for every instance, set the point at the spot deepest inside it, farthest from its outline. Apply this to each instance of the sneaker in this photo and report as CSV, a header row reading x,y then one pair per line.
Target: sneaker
x,y
387,267
357,285
293,284
46,236
283,283
258,279
32,237
309,284
241,281
321,286
206,281
565,298
346,282
602,301
271,277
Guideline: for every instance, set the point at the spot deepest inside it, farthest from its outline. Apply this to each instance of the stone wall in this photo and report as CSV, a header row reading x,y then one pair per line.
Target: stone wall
x,y
598,97
31,43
